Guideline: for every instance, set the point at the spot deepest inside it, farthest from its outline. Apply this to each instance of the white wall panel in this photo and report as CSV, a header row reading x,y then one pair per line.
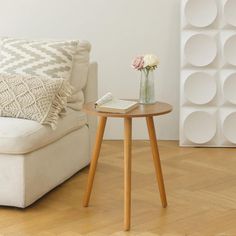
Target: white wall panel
x,y
208,73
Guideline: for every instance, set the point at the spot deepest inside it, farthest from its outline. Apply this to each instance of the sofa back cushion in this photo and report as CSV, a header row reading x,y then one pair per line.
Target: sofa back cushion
x,y
79,74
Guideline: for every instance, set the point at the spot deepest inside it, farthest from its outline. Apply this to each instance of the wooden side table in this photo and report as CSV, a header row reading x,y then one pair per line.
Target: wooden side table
x,y
147,111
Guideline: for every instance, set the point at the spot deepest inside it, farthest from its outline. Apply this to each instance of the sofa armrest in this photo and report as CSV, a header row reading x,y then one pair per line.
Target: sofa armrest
x,y
91,88
91,94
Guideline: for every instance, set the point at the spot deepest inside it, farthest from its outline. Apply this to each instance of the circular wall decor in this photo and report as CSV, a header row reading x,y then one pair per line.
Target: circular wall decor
x,y
199,127
200,88
201,13
229,12
229,88
229,127
200,50
230,50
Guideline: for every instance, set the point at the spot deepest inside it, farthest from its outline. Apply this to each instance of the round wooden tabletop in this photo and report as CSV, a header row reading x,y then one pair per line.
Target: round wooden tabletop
x,y
156,109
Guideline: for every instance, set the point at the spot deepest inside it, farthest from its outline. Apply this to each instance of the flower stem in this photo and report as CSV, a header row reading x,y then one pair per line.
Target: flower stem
x,y
146,73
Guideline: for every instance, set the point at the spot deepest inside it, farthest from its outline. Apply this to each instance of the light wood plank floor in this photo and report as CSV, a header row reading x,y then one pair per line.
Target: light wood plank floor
x,y
201,191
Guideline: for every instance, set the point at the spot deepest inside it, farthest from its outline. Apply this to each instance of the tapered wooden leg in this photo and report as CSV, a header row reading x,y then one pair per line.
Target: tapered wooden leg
x,y
156,159
94,160
127,171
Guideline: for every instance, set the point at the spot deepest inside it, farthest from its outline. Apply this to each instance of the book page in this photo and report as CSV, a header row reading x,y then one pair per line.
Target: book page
x,y
104,99
119,104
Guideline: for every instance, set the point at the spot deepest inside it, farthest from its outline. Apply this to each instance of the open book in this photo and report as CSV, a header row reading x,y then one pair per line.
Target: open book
x,y
110,104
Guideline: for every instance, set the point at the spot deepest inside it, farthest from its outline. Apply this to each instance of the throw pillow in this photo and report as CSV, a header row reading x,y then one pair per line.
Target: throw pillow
x,y
38,58
33,97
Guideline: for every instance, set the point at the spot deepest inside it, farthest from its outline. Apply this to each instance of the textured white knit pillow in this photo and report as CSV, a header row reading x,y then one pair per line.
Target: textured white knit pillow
x,y
36,98
52,59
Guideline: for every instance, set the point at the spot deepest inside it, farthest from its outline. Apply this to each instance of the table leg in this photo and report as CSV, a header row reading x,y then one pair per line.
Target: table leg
x,y
94,160
156,159
127,171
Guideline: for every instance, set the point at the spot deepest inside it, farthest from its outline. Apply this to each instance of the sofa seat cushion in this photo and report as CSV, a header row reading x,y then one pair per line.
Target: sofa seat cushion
x,y
20,136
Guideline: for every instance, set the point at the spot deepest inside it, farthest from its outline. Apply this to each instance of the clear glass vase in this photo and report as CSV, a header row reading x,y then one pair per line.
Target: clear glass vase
x,y
147,88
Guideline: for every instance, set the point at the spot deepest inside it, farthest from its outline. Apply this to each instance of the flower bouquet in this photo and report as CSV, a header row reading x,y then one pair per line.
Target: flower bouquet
x,y
146,65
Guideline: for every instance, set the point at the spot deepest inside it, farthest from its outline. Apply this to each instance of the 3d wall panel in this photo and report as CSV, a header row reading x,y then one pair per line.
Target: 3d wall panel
x,y
208,73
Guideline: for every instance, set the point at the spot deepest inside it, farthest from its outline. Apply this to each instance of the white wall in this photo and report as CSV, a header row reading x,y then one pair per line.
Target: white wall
x,y
118,30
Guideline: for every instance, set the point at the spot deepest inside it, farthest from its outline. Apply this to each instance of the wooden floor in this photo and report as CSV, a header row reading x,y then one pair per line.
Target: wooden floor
x,y
201,191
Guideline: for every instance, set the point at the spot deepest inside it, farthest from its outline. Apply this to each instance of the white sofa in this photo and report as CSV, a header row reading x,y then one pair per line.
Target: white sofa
x,y
33,158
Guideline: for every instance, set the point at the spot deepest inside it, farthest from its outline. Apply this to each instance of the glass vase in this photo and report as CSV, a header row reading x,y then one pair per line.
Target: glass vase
x,y
147,88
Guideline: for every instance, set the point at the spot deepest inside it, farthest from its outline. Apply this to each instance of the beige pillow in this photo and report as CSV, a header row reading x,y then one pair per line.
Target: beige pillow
x,y
34,97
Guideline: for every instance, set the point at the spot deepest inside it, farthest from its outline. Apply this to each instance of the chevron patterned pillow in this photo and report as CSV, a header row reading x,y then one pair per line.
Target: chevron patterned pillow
x,y
52,59
40,99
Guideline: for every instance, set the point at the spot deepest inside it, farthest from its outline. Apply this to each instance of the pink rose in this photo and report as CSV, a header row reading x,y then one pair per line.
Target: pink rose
x,y
138,63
